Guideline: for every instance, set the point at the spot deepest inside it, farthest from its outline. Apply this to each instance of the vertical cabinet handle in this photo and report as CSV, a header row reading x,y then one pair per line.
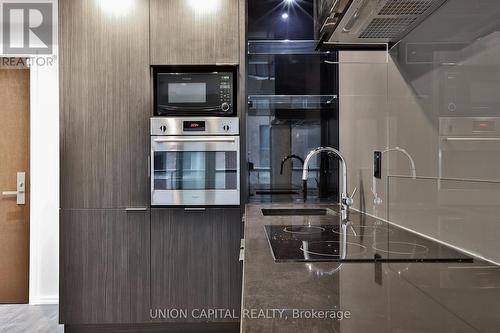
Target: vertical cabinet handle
x,y
149,166
242,249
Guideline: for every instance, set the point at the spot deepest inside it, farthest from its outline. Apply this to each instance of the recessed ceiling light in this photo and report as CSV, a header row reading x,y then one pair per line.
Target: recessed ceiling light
x,y
284,16
204,6
116,7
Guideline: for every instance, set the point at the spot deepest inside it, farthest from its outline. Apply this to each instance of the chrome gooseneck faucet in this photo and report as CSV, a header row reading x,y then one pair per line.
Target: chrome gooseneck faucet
x,y
346,200
377,200
289,157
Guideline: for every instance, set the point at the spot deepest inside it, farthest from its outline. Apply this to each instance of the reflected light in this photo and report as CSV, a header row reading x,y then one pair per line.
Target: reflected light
x,y
204,6
116,7
284,16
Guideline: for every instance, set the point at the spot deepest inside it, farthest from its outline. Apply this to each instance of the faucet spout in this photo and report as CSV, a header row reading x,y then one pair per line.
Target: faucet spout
x,y
289,157
345,201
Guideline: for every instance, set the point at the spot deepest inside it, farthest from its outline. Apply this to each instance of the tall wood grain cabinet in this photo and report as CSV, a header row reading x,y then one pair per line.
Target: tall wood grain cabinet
x,y
193,32
105,106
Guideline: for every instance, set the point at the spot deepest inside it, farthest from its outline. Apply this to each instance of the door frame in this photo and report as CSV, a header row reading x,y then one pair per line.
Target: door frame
x,y
44,177
44,173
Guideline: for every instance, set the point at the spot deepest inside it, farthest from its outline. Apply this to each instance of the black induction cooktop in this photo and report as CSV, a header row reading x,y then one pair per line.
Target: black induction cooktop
x,y
378,241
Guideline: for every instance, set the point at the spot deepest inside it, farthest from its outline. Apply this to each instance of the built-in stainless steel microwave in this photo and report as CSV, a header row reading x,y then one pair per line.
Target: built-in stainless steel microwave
x,y
195,90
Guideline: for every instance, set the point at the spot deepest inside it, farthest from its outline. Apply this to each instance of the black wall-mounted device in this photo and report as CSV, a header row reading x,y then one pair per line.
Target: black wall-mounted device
x,y
377,164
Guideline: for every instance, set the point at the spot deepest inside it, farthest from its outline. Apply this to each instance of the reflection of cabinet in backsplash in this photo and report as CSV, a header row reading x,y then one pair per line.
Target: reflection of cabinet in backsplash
x,y
292,108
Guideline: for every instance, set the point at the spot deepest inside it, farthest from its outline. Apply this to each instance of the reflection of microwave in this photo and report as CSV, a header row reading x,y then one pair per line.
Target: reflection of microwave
x,y
195,90
470,91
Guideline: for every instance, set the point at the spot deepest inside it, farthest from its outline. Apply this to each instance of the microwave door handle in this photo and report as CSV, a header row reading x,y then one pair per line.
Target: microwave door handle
x,y
175,108
214,108
201,139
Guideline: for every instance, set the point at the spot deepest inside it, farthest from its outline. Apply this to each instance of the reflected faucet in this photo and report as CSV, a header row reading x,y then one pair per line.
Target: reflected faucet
x,y
377,200
289,157
343,255
346,200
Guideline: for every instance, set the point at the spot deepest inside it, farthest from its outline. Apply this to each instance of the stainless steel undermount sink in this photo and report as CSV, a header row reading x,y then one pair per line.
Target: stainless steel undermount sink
x,y
298,212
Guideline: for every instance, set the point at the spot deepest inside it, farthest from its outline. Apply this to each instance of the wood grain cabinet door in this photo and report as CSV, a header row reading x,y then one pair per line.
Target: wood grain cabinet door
x,y
105,104
195,32
104,267
195,260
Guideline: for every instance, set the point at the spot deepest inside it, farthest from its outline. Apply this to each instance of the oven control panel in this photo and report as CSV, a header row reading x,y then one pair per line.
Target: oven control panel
x,y
469,126
228,125
194,126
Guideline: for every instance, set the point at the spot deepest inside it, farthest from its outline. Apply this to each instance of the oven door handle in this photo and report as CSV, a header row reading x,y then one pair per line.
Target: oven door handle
x,y
470,139
201,139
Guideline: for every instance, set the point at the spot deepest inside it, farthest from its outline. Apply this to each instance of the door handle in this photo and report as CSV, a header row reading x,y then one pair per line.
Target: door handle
x,y
194,209
197,140
20,194
136,209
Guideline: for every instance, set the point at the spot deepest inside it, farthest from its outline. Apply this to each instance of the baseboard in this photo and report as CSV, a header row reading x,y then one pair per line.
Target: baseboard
x,y
156,328
48,300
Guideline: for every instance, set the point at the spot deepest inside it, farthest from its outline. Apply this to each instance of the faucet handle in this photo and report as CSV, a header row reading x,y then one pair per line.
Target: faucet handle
x,y
353,193
348,199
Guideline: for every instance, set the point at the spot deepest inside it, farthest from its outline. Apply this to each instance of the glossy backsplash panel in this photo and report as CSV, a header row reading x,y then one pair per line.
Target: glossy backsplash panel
x,y
462,213
436,102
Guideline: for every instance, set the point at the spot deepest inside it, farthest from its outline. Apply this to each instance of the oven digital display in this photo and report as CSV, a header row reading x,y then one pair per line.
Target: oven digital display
x,y
484,126
194,126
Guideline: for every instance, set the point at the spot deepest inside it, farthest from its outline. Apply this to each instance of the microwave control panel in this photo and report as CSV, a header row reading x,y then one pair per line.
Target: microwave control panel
x,y
226,91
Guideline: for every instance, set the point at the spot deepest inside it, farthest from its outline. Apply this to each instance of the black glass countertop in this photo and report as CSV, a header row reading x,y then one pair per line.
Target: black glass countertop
x,y
405,294
371,241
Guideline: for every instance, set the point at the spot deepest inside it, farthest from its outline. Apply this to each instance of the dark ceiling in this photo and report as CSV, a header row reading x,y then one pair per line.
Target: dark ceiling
x,y
280,19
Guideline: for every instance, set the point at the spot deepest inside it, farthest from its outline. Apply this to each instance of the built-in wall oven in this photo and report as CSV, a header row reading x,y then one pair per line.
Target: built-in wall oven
x,y
184,91
195,161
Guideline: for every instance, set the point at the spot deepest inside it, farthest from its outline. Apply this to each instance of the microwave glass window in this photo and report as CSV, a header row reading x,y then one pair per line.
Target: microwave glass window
x,y
195,170
179,93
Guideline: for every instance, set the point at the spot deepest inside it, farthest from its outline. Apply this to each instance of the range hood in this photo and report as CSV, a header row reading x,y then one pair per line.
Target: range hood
x,y
346,24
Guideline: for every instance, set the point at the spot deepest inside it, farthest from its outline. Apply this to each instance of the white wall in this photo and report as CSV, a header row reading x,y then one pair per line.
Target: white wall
x,y
44,214
44,176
